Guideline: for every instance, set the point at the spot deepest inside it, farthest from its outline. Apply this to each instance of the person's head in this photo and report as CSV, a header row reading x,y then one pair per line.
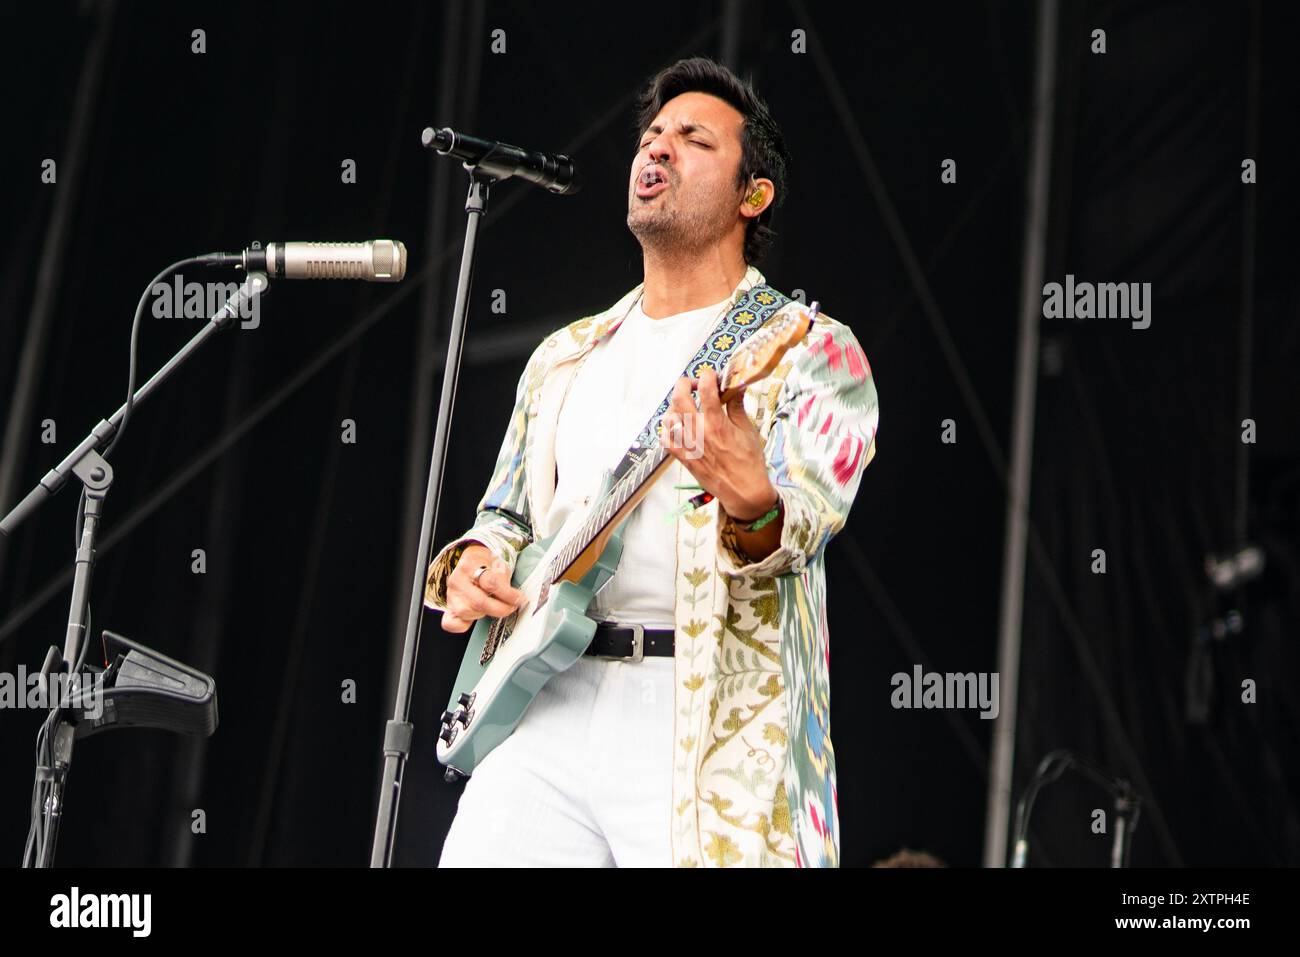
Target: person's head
x,y
907,857
721,156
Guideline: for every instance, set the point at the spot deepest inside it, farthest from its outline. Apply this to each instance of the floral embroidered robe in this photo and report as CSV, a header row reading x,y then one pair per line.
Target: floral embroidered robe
x,y
754,769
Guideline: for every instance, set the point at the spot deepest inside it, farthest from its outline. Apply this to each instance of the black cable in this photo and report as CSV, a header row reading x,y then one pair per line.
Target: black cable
x,y
135,336
1049,769
132,364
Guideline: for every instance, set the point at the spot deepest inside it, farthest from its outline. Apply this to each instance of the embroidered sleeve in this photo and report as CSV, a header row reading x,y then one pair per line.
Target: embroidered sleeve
x,y
823,435
503,523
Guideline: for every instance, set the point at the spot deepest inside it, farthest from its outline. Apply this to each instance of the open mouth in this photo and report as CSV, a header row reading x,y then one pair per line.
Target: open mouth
x,y
652,181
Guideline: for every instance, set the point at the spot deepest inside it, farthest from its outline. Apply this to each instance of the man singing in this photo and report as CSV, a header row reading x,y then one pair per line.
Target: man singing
x,y
713,748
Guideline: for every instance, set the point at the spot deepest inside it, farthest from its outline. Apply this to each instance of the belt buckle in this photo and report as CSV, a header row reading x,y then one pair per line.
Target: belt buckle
x,y
638,644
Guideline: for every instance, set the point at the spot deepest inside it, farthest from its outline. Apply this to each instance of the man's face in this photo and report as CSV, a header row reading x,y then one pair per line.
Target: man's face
x,y
693,148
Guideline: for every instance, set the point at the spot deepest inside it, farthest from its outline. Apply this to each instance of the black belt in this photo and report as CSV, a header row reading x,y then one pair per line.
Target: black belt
x,y
630,642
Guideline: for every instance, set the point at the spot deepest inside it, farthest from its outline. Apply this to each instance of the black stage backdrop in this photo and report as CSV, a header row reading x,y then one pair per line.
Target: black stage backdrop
x,y
307,540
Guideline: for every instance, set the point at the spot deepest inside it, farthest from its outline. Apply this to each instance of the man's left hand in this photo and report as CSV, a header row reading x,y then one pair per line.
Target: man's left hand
x,y
720,446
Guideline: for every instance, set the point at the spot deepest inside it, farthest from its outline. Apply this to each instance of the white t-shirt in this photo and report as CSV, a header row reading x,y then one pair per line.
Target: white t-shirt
x,y
619,385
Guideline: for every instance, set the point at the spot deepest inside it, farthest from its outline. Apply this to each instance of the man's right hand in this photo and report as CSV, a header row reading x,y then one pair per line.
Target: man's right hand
x,y
492,594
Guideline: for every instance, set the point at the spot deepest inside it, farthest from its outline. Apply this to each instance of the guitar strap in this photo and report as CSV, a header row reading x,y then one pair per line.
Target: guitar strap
x,y
747,315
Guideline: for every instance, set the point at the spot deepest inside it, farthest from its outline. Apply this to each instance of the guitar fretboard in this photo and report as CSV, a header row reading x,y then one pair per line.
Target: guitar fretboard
x,y
643,465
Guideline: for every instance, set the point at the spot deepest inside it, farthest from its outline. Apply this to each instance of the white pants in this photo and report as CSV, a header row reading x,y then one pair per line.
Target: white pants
x,y
585,780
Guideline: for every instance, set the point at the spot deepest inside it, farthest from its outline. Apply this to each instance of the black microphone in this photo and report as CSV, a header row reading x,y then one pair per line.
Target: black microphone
x,y
554,172
380,260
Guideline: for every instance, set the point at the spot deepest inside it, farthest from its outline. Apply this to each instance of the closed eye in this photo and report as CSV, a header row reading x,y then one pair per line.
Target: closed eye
x,y
707,146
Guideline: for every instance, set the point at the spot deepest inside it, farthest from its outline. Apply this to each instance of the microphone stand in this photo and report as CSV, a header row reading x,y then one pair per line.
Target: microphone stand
x,y
399,730
1128,804
87,464
1127,807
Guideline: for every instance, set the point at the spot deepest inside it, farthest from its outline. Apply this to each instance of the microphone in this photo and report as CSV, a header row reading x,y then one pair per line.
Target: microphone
x,y
554,172
380,260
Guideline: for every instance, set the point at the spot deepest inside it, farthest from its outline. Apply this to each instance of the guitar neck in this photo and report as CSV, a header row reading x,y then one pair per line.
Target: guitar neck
x,y
573,561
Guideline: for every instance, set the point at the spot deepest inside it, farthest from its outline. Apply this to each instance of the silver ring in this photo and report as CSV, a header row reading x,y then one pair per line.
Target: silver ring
x,y
478,572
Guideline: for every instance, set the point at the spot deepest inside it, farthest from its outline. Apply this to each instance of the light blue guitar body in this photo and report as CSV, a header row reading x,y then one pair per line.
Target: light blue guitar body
x,y
490,697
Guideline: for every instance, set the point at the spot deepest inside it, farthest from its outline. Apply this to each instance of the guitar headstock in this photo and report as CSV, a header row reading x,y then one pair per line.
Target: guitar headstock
x,y
761,352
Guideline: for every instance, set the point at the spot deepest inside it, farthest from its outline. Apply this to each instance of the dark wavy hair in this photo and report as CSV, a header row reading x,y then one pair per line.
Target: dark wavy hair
x,y
763,151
